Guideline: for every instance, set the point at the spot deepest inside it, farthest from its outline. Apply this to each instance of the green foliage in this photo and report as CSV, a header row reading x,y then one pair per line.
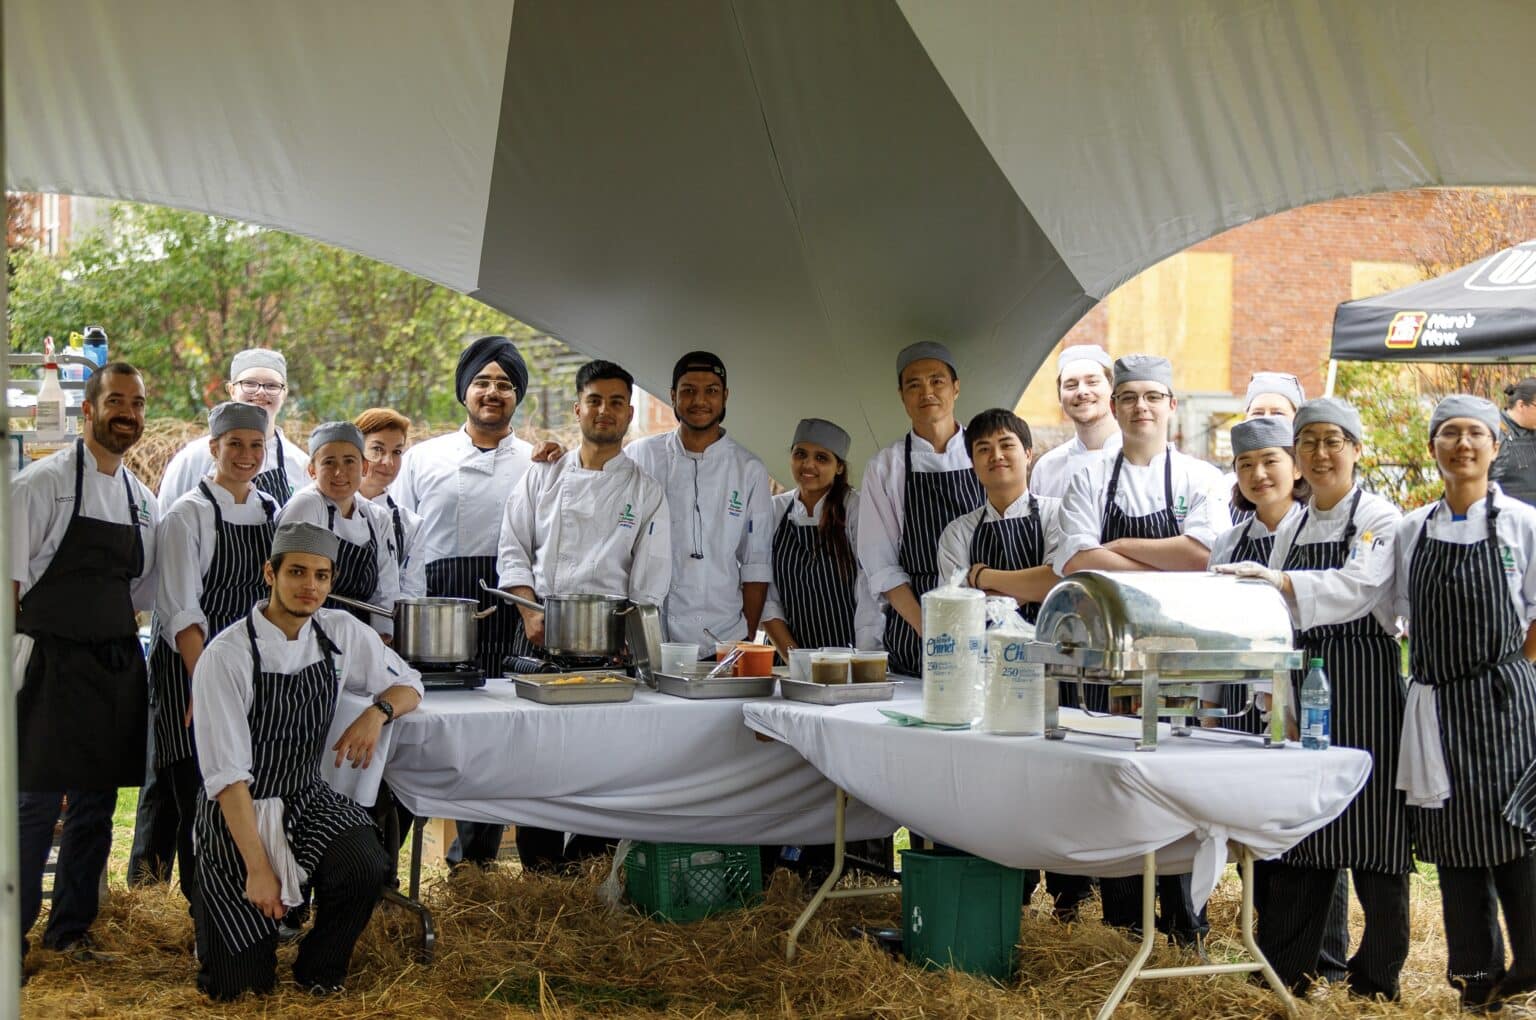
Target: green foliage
x,y
180,293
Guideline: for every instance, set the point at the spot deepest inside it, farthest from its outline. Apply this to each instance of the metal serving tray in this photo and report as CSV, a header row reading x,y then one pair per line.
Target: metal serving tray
x,y
536,687
836,694
720,687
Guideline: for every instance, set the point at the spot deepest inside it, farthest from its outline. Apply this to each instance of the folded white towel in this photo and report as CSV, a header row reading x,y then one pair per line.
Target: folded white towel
x,y
1421,771
269,827
21,655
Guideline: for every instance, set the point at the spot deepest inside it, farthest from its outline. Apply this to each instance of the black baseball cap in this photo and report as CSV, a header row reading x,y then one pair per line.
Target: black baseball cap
x,y
698,361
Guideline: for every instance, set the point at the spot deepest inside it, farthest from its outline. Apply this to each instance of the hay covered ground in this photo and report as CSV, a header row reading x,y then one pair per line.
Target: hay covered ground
x,y
511,945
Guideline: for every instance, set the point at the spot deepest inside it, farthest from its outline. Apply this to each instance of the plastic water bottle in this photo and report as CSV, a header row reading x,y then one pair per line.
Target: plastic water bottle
x,y
96,345
74,372
1316,708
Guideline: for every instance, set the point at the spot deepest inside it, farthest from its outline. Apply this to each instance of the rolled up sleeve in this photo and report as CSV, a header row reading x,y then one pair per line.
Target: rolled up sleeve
x,y
221,703
880,527
180,586
1081,519
514,547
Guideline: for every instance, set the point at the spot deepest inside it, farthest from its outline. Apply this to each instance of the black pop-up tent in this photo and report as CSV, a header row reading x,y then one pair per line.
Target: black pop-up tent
x,y
1482,312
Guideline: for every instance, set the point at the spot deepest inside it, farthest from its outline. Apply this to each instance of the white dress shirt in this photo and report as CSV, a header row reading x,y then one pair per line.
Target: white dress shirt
x,y
1516,528
868,623
42,497
460,492
222,691
311,507
955,543
1226,542
1196,490
413,565
881,512
1364,584
568,530
187,542
194,462
1056,466
722,532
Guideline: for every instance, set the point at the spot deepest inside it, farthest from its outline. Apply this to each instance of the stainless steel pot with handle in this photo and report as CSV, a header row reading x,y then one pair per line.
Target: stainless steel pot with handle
x,y
577,624
430,630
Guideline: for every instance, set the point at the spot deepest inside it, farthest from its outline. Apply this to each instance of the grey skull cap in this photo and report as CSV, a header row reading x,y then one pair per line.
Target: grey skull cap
x,y
1461,405
1083,352
1144,368
1328,411
303,537
920,350
823,433
335,432
1282,384
258,357
1261,434
232,415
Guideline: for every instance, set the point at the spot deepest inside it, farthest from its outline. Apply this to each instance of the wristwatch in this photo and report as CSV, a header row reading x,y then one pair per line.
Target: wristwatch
x,y
387,709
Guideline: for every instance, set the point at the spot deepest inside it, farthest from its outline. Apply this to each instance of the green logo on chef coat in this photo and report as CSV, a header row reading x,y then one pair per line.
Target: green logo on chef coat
x,y
1507,556
627,516
1181,508
734,506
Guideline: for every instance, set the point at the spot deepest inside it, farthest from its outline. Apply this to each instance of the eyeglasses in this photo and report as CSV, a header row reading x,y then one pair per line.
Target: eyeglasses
x,y
1333,444
250,387
1128,400
499,385
1475,438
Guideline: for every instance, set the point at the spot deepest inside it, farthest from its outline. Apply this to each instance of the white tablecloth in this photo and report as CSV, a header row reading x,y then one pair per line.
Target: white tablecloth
x,y
656,768
362,785
1087,805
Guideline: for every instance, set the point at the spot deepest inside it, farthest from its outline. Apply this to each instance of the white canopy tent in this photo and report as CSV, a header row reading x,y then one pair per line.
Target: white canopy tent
x,y
804,187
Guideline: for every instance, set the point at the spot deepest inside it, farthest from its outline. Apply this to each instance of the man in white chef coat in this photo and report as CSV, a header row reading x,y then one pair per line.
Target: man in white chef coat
x,y
721,510
1084,382
459,484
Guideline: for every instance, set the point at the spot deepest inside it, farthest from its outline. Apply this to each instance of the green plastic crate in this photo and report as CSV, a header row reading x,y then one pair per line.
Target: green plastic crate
x,y
960,911
687,881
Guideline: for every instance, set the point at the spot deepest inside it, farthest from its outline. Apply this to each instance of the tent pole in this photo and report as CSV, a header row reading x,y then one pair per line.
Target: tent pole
x,y
1333,377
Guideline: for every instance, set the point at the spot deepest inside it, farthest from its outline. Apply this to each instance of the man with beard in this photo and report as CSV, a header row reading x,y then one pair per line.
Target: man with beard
x,y
459,484
589,523
1083,385
83,562
721,511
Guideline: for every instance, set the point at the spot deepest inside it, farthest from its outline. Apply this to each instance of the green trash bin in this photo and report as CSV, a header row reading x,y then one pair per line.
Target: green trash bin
x,y
960,911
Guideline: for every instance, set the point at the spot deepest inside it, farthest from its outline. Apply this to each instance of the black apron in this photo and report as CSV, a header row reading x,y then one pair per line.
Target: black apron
x,y
1468,637
496,636
929,501
818,597
274,480
231,586
290,717
1234,697
83,711
1012,543
357,565
1364,667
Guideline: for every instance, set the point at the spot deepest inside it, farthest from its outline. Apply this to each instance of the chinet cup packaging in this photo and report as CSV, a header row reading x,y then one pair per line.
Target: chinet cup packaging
x,y
954,632
1013,698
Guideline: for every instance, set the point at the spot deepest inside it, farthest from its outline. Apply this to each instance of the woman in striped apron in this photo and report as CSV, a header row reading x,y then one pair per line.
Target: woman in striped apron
x,y
1270,395
1468,764
386,434
264,695
1334,565
214,542
818,597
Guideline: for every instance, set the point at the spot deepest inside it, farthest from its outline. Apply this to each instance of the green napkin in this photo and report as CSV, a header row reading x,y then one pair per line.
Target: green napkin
x,y
903,719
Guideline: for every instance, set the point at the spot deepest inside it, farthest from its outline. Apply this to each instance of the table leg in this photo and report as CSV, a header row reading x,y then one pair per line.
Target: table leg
x,y
424,916
1148,934
826,892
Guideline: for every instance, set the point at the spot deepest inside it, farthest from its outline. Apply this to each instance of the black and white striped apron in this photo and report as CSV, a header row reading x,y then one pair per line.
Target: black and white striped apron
x,y
357,565
1234,697
232,584
399,527
290,716
1012,543
1468,639
496,636
274,480
929,501
817,594
1364,666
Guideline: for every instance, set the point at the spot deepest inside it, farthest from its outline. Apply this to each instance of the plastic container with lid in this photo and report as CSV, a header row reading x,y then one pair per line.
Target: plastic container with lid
x,y
830,667
1013,700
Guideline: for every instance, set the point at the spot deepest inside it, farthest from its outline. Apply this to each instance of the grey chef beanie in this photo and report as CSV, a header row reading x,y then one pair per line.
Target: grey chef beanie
x,y
335,432
258,357
1083,352
231,415
1261,434
1282,384
1328,411
920,350
823,433
1460,405
303,537
1144,368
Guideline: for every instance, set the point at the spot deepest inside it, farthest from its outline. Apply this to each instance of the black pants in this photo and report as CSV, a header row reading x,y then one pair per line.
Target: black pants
x,y
1177,919
184,782
1470,899
1293,908
1067,892
478,843
347,883
154,825
83,853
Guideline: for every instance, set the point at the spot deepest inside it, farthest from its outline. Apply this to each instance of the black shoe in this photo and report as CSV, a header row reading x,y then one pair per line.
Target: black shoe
x,y
83,950
321,990
1513,986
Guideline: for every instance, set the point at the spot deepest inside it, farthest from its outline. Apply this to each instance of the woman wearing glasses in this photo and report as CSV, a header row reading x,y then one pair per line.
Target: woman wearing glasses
x,y
1334,566
260,377
1466,583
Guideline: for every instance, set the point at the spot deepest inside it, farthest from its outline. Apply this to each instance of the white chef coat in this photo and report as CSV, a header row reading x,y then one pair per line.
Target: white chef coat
x,y
571,531
955,543
1056,466
222,691
42,497
1196,485
1226,542
460,492
1364,584
721,508
868,622
881,512
193,462
1516,528
187,541
311,507
413,565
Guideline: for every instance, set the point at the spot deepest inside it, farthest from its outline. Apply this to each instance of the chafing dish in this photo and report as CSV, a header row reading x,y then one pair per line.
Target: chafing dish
x,y
1166,634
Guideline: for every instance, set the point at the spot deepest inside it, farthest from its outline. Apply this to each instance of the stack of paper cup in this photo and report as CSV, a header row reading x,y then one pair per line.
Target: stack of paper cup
x,y
954,629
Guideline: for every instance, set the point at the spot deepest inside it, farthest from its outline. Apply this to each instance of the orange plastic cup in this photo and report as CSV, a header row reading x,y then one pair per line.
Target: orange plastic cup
x,y
756,660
